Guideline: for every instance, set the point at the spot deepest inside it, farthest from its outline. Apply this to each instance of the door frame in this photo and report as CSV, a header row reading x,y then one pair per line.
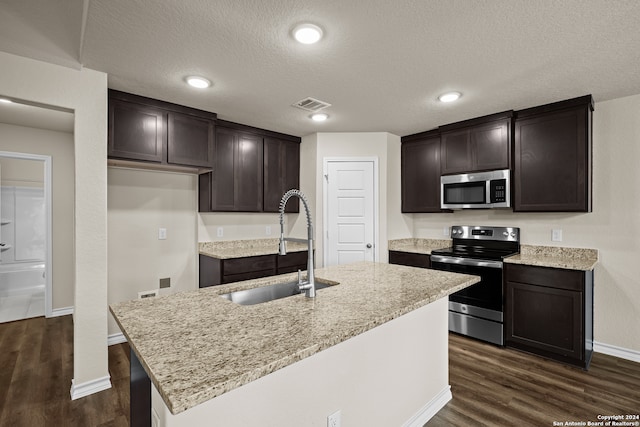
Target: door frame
x,y
48,297
325,198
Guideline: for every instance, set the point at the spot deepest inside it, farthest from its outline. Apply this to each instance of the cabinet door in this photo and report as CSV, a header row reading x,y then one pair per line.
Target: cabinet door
x,y
281,173
222,177
248,173
420,175
545,320
456,152
136,132
491,146
190,141
552,170
292,262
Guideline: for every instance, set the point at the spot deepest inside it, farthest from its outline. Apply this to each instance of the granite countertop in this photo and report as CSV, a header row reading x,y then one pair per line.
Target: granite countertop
x,y
418,246
196,345
226,249
556,257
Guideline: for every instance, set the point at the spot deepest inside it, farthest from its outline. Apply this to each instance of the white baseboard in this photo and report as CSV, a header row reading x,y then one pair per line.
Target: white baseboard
x,y
89,387
430,409
118,338
61,311
612,350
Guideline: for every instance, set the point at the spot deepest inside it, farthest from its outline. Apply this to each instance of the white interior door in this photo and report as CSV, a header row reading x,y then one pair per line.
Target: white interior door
x,y
350,211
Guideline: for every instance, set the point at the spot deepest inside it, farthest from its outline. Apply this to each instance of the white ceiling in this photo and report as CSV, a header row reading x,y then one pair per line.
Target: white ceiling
x,y
381,64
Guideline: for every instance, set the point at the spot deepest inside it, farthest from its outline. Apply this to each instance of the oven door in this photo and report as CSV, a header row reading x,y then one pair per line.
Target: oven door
x,y
485,294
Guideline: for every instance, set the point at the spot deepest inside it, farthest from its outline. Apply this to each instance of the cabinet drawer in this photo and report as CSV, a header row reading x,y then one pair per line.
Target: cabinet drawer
x,y
572,280
249,264
247,276
410,259
292,259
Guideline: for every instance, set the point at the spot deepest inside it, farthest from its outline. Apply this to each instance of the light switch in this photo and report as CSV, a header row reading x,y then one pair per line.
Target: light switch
x,y
162,234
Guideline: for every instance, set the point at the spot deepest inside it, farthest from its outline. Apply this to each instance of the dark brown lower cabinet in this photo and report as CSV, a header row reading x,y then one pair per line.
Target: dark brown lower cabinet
x,y
549,312
215,271
410,259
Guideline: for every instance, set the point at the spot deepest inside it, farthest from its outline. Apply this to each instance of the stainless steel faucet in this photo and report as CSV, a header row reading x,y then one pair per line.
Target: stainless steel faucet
x,y
309,287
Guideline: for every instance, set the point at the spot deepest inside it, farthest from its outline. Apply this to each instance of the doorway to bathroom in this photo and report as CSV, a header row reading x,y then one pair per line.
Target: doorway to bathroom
x,y
25,236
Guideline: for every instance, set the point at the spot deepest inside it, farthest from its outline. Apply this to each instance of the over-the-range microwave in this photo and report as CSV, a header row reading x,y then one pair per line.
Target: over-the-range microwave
x,y
478,190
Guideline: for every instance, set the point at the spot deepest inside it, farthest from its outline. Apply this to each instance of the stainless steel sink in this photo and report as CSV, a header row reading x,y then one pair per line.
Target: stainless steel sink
x,y
269,293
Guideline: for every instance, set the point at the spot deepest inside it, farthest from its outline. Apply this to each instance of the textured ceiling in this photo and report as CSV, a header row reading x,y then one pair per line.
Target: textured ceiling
x,y
381,64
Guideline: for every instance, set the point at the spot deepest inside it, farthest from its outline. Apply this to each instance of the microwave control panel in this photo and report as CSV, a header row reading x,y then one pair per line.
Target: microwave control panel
x,y
498,190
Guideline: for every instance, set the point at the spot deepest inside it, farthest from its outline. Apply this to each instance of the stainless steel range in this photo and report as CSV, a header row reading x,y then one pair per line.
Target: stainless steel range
x,y
477,311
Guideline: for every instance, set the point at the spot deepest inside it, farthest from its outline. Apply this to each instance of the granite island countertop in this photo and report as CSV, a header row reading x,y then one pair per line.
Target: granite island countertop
x,y
197,345
227,249
555,257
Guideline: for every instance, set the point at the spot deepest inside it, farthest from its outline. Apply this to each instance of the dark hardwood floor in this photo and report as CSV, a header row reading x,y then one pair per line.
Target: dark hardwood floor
x,y
491,386
494,386
36,368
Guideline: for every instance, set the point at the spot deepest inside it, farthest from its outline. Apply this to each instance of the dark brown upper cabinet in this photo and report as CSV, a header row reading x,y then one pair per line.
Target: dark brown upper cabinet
x,y
253,169
237,175
281,173
420,172
136,132
159,133
479,144
190,140
552,157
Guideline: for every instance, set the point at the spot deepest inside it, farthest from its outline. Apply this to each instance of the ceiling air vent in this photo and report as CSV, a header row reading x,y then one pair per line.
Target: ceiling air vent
x,y
311,104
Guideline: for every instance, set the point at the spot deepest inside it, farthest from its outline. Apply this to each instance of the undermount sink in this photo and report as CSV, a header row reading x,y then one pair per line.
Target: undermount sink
x,y
270,292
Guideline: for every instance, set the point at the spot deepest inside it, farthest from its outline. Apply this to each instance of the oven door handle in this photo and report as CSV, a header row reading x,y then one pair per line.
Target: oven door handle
x,y
466,261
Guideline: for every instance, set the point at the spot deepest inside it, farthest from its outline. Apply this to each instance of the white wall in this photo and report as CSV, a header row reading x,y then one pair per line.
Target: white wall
x,y
21,172
139,203
351,144
237,226
85,93
58,145
613,227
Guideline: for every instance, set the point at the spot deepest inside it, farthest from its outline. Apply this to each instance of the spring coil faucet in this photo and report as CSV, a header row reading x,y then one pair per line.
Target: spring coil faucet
x,y
309,287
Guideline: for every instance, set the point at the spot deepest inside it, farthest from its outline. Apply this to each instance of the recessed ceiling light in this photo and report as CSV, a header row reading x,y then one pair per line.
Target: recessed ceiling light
x,y
199,82
307,33
319,117
449,96
6,101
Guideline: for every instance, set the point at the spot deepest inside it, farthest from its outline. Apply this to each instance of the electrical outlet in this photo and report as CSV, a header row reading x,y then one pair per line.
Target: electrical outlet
x,y
147,294
220,232
165,283
556,235
268,230
445,231
162,234
333,420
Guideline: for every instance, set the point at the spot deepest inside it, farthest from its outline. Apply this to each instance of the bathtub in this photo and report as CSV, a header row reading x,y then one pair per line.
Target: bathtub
x,y
18,278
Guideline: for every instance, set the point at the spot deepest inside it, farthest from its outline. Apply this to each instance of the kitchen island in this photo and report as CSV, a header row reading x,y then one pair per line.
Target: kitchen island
x,y
373,346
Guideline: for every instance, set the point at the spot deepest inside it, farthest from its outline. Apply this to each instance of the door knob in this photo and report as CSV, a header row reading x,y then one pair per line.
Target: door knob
x,y
368,245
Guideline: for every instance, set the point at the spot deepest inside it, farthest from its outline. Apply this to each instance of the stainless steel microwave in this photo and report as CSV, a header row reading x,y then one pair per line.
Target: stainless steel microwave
x,y
478,190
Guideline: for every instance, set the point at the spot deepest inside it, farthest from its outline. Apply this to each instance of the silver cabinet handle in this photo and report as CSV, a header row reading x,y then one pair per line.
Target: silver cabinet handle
x,y
369,246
